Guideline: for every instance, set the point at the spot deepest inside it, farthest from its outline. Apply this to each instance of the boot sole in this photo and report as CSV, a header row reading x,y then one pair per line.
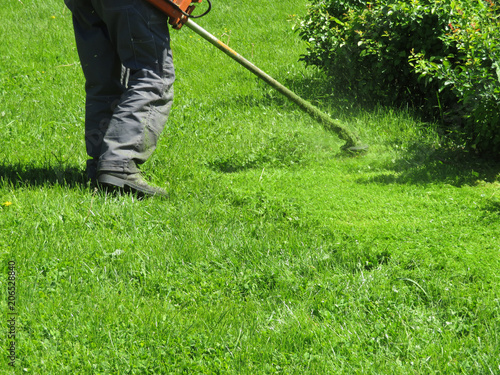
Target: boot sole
x,y
128,186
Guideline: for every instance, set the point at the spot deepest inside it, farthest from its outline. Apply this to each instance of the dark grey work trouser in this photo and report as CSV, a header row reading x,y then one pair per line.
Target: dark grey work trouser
x,y
124,49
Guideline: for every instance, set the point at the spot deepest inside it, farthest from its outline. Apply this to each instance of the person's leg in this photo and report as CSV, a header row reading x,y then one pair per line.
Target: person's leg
x,y
103,75
139,34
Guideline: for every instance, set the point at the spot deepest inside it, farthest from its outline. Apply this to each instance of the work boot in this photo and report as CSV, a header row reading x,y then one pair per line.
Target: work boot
x,y
132,182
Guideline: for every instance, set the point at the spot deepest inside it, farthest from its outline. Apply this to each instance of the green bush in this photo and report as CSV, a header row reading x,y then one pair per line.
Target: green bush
x,y
439,56
472,73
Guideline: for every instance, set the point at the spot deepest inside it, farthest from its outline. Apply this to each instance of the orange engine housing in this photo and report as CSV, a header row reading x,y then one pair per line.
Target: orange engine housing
x,y
176,17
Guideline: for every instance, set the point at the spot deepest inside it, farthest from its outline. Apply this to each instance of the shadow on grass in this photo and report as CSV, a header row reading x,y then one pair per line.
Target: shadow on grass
x,y
422,165
30,175
493,206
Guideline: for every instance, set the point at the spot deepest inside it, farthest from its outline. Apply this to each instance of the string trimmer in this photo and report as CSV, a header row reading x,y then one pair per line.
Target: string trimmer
x,y
180,13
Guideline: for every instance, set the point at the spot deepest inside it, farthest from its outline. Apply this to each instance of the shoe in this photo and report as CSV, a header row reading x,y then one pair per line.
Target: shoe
x,y
129,183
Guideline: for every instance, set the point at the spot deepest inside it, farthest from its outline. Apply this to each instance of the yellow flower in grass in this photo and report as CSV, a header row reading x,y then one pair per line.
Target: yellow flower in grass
x,y
6,204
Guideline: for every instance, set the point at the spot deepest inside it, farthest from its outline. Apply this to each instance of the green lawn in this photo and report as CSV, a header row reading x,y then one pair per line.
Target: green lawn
x,y
275,253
